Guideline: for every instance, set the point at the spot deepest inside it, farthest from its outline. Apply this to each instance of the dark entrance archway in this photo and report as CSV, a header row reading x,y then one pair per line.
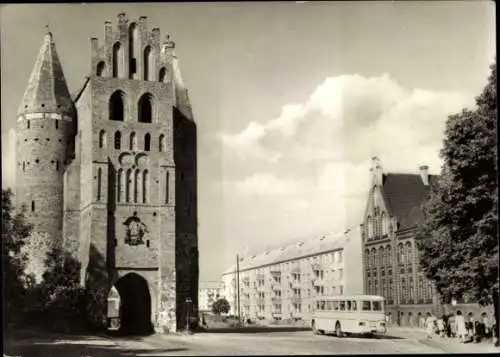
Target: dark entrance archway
x,y
135,305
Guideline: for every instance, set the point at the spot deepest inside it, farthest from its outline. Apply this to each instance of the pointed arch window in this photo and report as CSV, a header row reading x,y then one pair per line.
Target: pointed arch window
x,y
102,139
373,257
120,185
370,227
128,183
368,261
116,107
145,107
145,186
388,254
162,76
408,253
133,38
381,254
147,142
148,63
101,66
161,143
118,140
400,253
136,185
133,141
117,60
99,183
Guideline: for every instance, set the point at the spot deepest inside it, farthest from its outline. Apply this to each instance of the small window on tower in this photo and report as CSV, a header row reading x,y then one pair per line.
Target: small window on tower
x,y
32,206
28,124
57,124
147,142
57,165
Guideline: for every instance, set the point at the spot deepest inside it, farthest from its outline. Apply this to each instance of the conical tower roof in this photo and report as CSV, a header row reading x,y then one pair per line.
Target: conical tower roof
x,y
47,90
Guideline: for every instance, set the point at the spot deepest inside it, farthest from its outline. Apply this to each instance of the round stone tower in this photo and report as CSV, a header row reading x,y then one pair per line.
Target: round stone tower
x,y
45,143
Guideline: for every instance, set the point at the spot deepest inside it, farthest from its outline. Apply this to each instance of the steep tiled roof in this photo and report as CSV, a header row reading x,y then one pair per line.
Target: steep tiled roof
x,y
327,242
47,90
405,194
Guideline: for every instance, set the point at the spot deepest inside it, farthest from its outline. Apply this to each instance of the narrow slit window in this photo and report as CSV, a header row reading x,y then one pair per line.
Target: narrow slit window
x,y
28,124
167,178
99,178
118,139
32,206
57,124
147,142
57,165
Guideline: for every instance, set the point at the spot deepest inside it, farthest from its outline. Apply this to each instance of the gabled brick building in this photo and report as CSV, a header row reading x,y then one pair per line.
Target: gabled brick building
x,y
390,255
110,172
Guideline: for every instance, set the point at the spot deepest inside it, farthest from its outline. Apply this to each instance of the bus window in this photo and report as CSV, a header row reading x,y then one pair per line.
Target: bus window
x,y
376,306
353,306
336,305
329,305
348,306
322,305
342,306
365,305
317,305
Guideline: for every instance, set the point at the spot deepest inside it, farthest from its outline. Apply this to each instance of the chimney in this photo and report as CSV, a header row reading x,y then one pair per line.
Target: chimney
x,y
424,174
376,171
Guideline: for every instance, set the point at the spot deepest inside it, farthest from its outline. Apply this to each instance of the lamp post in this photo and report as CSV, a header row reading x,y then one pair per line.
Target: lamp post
x,y
188,304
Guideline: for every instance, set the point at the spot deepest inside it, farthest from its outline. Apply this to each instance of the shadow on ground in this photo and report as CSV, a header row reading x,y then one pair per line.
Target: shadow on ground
x,y
253,329
66,349
368,337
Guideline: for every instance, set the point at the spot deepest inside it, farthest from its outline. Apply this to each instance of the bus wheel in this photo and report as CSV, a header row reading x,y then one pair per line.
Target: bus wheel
x,y
338,330
313,325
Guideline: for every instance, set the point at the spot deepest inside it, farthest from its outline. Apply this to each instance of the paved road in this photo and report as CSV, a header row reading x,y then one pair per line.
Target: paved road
x,y
268,343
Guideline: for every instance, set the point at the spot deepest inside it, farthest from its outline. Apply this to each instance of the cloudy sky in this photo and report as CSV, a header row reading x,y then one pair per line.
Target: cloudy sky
x,y
291,100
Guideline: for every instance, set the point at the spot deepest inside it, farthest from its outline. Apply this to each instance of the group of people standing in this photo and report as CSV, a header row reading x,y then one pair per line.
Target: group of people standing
x,y
465,328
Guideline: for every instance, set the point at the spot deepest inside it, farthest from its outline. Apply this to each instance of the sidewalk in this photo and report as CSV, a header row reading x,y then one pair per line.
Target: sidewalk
x,y
448,345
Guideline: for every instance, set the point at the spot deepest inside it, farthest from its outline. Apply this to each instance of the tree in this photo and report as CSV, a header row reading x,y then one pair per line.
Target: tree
x,y
15,230
221,306
458,238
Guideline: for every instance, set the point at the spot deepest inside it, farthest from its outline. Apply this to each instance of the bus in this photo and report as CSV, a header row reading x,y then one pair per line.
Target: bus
x,y
346,314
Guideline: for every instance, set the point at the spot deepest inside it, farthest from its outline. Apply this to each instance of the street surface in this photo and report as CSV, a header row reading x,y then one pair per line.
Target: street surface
x,y
261,343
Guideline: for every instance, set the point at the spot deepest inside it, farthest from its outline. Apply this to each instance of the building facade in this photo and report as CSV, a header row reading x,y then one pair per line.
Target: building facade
x,y
110,172
283,283
208,293
390,254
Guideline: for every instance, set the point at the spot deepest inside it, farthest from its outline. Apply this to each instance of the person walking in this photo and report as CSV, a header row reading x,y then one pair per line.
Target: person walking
x,y
471,330
486,324
429,323
440,326
453,326
461,331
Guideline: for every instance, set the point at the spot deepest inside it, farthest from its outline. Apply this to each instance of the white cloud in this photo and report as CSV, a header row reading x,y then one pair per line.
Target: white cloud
x,y
308,169
9,159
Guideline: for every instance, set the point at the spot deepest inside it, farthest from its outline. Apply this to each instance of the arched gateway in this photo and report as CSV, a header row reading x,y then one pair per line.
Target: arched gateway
x,y
129,306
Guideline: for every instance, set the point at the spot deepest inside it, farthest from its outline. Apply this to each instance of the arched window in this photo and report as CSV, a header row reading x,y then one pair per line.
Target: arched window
x,y
145,109
368,261
32,206
147,142
145,186
411,288
381,254
383,220
101,66
161,143
408,253
373,257
133,141
400,253
148,63
99,178
116,107
102,139
128,185
121,185
162,76
136,185
117,60
370,227
27,124
133,49
118,139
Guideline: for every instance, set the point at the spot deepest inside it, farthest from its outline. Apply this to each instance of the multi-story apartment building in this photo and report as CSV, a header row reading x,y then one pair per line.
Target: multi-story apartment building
x,y
390,254
283,282
208,293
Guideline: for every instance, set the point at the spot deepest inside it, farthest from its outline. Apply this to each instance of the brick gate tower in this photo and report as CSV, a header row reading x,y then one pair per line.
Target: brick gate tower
x,y
126,201
44,143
